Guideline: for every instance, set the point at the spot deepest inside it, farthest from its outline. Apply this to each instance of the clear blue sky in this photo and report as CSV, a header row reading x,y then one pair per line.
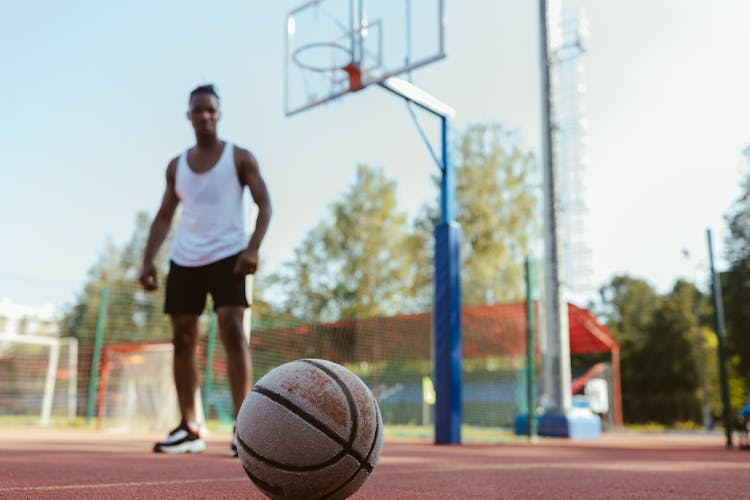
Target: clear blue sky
x,y
94,95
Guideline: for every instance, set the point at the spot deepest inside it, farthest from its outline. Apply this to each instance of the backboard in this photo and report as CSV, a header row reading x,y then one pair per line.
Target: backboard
x,y
334,47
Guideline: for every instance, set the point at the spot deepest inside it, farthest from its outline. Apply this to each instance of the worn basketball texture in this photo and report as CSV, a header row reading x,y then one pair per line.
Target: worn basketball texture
x,y
309,429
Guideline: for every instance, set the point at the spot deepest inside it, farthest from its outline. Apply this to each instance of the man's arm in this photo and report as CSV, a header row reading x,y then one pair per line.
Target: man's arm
x,y
249,174
159,230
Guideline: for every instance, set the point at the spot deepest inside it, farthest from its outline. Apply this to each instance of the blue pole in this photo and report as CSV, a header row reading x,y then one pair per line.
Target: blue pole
x,y
448,178
447,301
447,308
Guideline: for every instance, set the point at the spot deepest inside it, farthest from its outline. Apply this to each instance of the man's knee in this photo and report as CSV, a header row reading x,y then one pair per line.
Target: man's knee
x,y
184,333
231,326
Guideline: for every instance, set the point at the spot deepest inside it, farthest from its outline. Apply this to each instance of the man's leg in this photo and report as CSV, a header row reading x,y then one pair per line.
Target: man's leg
x,y
185,369
239,368
230,301
186,437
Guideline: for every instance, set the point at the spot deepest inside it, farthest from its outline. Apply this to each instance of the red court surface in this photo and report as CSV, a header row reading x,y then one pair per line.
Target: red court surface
x,y
52,463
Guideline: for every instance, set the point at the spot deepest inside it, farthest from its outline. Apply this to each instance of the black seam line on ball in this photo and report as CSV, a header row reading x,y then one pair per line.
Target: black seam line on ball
x,y
369,466
362,465
322,427
274,490
353,410
287,467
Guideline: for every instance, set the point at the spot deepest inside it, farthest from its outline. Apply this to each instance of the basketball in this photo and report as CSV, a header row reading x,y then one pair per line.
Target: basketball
x,y
309,429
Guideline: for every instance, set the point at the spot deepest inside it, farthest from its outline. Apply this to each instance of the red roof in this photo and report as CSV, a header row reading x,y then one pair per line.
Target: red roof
x,y
505,324
587,335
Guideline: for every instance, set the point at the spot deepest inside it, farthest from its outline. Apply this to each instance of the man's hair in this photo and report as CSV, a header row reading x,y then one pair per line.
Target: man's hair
x,y
204,90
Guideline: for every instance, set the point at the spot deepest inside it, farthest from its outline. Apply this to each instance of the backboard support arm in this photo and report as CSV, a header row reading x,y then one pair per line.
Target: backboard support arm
x,y
447,302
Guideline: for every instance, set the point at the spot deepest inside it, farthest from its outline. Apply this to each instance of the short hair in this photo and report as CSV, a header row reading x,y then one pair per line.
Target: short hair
x,y
208,89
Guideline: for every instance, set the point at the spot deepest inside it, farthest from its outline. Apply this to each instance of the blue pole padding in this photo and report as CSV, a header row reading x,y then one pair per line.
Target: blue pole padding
x,y
448,177
447,332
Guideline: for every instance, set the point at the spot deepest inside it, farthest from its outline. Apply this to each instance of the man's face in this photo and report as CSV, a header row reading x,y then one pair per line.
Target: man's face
x,y
204,113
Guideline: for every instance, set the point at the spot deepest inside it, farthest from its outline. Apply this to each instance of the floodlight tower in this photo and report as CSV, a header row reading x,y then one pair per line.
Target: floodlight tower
x,y
568,66
561,44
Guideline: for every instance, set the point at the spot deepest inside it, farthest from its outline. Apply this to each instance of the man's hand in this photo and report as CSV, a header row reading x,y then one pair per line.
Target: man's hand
x,y
247,263
148,279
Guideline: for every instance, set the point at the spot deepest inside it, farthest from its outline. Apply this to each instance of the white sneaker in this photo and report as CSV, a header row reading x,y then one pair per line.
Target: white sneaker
x,y
181,440
233,450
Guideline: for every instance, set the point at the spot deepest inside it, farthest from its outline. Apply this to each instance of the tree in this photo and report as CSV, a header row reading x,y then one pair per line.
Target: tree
x,y
496,203
669,355
367,259
351,265
628,305
131,314
420,248
660,348
496,210
736,281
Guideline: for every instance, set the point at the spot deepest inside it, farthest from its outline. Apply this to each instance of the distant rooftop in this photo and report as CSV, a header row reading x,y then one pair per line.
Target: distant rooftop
x,y
28,320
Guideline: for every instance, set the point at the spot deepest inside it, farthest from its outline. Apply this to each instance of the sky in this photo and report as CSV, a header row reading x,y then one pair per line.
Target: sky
x,y
95,94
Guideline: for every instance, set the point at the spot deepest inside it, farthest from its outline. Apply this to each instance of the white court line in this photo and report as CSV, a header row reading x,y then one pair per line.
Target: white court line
x,y
119,485
616,465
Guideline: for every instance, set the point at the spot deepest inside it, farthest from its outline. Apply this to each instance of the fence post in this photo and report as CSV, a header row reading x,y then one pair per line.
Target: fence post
x,y
530,366
210,347
96,355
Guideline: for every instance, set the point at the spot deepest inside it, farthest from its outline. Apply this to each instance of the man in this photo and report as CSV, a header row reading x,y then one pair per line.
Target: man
x,y
210,254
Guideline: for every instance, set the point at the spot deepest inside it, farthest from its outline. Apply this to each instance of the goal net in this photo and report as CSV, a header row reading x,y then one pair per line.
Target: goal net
x,y
136,389
38,377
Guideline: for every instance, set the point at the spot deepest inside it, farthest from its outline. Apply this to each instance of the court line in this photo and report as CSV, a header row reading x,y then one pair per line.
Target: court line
x,y
621,465
120,485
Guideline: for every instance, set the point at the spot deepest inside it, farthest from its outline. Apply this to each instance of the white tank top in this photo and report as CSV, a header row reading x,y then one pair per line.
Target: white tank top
x,y
212,224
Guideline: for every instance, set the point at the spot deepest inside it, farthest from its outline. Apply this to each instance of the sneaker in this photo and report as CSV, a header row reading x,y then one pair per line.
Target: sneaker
x,y
233,449
181,440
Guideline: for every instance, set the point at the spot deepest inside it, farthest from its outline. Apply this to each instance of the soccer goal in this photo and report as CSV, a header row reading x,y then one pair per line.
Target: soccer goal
x,y
38,377
136,388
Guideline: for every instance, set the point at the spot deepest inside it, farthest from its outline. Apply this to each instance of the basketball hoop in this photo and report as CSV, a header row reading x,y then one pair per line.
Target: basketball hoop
x,y
355,77
329,57
338,47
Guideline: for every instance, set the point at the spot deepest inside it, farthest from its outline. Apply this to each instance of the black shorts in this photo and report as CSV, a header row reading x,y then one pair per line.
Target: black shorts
x,y
187,287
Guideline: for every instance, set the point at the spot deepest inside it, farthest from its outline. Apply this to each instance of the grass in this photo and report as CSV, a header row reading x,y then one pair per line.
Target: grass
x,y
468,433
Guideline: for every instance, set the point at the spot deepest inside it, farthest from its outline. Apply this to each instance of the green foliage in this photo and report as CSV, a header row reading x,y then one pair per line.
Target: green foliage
x,y
736,282
668,353
419,246
628,304
365,259
496,207
667,362
662,349
708,349
353,264
131,314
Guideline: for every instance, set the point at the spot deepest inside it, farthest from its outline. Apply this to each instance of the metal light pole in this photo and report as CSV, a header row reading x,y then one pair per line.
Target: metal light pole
x,y
556,373
705,409
719,316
